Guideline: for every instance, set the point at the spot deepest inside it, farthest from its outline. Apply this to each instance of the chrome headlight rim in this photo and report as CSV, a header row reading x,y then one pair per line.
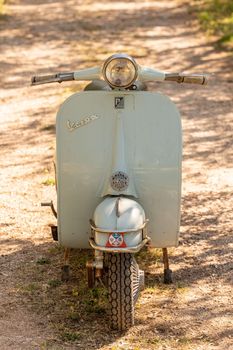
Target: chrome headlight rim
x,y
115,57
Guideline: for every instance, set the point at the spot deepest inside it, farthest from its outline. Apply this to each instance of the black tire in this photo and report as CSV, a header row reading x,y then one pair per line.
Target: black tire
x,y
123,285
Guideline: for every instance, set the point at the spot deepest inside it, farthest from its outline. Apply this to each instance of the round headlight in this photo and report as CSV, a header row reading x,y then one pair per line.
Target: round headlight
x,y
120,71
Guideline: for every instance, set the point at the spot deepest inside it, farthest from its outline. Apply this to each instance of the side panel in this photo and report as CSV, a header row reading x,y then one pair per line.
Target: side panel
x,y
86,124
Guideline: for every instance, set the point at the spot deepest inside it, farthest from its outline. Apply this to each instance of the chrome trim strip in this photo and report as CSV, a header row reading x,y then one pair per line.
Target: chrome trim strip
x,y
97,229
119,250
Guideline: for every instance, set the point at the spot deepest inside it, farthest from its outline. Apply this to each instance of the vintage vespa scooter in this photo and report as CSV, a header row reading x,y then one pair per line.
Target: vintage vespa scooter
x,y
118,167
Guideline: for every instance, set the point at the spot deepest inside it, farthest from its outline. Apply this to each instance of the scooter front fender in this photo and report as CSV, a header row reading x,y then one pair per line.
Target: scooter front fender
x,y
119,222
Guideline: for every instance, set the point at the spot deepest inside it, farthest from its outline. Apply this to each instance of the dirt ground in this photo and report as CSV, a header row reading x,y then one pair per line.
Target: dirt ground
x,y
37,311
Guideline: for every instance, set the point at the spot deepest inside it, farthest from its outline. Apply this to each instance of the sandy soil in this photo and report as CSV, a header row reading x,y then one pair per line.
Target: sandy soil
x,y
36,310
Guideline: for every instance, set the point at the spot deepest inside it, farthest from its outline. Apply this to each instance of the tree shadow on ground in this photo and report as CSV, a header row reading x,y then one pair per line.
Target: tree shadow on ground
x,y
78,315
103,29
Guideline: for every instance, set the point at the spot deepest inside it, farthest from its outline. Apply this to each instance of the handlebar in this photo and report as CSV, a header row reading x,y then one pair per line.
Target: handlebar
x,y
59,77
145,74
187,78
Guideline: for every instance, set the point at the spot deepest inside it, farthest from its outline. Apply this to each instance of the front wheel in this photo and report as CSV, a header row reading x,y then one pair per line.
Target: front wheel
x,y
124,284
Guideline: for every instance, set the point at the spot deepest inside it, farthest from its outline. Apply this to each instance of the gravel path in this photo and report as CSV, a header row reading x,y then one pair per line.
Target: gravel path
x,y
49,36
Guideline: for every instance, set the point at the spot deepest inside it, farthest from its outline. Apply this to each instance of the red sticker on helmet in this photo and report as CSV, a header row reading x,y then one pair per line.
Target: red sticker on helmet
x,y
116,240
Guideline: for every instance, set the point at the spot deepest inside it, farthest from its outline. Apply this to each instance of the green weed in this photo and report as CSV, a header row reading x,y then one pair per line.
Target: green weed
x,y
216,17
70,336
43,261
54,283
56,249
74,316
49,182
30,288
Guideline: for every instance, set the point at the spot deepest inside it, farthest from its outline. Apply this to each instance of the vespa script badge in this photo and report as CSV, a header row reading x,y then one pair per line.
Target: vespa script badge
x,y
75,125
